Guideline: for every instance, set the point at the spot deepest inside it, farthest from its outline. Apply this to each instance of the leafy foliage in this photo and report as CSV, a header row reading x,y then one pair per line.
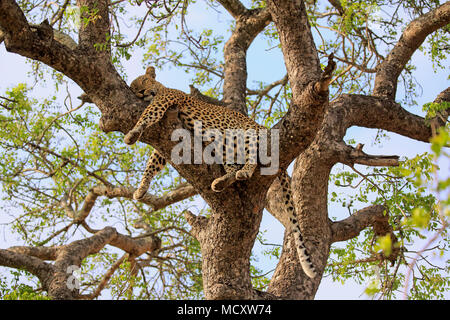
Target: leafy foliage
x,y
50,161
14,289
417,196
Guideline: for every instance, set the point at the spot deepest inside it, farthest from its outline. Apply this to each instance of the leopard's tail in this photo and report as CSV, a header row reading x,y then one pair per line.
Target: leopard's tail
x,y
303,255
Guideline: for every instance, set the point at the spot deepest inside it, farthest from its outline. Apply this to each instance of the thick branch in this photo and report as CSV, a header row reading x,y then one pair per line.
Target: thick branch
x,y
94,35
43,253
12,21
350,227
275,204
374,112
55,278
59,36
136,246
75,252
297,44
97,77
198,224
299,126
234,7
33,41
248,25
412,38
13,259
133,246
178,194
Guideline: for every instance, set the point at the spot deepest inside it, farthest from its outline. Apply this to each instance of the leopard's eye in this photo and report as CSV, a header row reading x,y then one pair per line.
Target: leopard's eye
x,y
142,92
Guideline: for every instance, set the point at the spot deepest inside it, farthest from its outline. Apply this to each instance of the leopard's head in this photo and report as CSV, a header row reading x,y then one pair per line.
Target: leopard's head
x,y
146,87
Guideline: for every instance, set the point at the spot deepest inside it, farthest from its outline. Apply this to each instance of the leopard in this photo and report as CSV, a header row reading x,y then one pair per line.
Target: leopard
x,y
212,116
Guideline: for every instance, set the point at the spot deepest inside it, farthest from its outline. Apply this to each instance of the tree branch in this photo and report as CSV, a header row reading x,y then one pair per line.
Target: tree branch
x,y
375,112
337,5
106,278
234,7
43,253
412,38
180,193
54,278
275,203
198,224
350,156
297,44
88,204
299,125
442,116
97,77
351,227
74,252
249,24
34,41
13,22
13,259
95,29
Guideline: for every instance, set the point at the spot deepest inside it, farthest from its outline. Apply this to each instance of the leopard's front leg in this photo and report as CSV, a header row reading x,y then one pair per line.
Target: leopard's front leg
x,y
151,115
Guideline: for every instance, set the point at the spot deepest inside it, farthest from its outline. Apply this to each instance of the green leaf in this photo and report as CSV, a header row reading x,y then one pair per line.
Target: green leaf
x,y
384,244
420,218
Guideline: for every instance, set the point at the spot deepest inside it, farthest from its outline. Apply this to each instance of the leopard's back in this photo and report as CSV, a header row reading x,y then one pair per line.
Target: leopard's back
x,y
211,116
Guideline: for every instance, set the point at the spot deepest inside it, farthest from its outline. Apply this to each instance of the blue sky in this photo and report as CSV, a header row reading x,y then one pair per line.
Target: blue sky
x,y
265,65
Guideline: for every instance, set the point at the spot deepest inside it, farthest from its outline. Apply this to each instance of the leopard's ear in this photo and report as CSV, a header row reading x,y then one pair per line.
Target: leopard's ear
x,y
151,72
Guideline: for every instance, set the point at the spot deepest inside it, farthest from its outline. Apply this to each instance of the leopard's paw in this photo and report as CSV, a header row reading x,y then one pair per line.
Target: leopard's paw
x,y
139,194
218,185
242,175
132,136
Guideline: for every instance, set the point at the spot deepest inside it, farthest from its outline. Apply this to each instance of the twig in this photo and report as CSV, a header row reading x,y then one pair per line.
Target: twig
x,y
414,261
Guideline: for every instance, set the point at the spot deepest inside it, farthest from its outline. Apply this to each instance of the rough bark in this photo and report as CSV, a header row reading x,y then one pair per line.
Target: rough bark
x,y
299,51
55,278
249,23
350,227
180,193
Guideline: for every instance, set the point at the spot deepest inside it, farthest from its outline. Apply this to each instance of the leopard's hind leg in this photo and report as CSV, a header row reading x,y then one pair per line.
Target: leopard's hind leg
x,y
155,164
251,155
224,181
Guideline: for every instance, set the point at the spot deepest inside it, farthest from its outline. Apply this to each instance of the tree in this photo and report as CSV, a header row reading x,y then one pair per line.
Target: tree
x,y
312,120
65,176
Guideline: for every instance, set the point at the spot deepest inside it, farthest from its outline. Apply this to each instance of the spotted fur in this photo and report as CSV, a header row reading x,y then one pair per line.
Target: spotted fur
x,y
212,117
